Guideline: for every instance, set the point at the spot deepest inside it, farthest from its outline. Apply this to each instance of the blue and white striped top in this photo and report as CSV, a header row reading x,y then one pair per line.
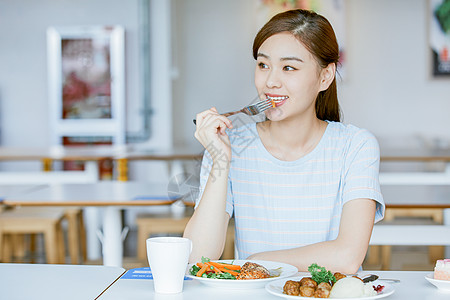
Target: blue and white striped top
x,y
287,204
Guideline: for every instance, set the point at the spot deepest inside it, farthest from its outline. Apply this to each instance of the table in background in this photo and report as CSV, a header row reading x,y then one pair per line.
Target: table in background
x,y
413,286
405,198
111,196
35,281
91,155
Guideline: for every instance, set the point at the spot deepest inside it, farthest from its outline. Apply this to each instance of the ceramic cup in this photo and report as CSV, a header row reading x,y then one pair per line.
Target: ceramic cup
x,y
168,259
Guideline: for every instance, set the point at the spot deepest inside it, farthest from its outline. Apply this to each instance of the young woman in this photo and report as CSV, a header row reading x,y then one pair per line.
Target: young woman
x,y
303,187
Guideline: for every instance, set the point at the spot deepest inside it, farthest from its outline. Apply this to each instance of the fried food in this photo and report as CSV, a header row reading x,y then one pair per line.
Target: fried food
x,y
307,291
321,293
252,271
324,286
308,281
338,276
307,287
291,288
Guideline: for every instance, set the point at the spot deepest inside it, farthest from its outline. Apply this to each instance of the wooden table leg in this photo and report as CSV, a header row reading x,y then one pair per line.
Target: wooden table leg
x,y
47,164
122,169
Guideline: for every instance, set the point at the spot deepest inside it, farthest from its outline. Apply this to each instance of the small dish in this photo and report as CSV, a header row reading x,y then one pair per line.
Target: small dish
x,y
440,284
286,271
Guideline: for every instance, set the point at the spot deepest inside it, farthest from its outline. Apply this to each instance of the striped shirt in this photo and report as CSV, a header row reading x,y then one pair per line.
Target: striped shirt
x,y
287,204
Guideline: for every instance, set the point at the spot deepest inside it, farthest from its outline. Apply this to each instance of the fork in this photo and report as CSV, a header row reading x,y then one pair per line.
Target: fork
x,y
251,110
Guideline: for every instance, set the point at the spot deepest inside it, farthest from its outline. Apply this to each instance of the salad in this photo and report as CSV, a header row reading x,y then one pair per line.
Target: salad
x,y
215,270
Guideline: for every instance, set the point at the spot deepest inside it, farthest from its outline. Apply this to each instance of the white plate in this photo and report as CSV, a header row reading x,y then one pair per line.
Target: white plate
x,y
440,284
286,271
276,288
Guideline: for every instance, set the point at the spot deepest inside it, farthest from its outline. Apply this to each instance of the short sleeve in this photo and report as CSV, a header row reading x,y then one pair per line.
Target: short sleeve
x,y
361,171
204,175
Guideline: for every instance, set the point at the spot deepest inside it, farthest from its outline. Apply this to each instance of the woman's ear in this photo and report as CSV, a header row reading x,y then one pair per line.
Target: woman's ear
x,y
327,76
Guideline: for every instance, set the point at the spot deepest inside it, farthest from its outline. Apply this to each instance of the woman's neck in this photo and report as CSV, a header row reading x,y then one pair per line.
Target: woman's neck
x,y
290,140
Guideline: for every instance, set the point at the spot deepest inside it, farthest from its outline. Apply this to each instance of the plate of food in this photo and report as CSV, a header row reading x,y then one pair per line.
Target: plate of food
x,y
320,283
439,283
441,276
239,274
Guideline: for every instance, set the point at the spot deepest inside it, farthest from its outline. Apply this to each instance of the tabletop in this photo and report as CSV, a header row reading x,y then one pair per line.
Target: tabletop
x,y
12,190
413,286
98,152
414,154
102,193
36,281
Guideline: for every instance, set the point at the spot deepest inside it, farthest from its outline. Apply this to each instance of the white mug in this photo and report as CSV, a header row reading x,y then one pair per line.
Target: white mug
x,y
168,259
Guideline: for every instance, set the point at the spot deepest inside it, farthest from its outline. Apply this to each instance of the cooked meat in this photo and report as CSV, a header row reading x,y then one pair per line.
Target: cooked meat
x,y
357,277
307,291
291,288
322,292
252,271
308,281
339,276
324,285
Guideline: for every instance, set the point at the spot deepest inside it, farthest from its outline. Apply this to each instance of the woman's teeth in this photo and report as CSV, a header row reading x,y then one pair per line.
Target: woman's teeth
x,y
276,100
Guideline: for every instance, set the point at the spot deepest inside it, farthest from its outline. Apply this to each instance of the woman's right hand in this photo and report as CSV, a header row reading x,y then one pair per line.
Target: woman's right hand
x,y
210,132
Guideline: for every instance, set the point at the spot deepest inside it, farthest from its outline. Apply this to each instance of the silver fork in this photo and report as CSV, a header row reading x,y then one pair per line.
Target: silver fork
x,y
251,110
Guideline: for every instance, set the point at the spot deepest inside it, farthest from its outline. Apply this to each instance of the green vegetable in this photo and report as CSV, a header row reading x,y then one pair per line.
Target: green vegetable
x,y
194,270
225,275
320,274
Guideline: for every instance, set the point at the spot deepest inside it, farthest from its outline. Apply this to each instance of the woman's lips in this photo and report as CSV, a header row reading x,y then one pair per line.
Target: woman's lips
x,y
277,100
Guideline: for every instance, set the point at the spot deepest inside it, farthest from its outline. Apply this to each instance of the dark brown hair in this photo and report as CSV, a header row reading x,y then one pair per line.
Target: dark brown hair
x,y
317,35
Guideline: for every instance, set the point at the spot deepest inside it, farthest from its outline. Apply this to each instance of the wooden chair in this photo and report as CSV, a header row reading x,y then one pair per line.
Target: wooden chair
x,y
29,220
393,216
170,223
76,235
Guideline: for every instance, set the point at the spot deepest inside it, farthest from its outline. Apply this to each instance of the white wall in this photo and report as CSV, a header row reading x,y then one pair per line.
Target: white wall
x,y
389,89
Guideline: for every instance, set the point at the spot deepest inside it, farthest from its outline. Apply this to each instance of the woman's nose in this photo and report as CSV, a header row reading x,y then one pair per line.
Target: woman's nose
x,y
273,80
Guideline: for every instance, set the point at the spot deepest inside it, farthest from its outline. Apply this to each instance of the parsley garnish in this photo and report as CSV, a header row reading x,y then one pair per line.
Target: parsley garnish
x,y
320,274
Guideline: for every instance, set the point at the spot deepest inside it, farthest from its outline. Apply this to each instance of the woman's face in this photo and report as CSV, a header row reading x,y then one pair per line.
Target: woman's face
x,y
288,73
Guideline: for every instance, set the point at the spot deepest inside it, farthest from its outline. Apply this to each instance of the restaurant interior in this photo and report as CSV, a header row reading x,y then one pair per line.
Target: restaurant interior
x,y
104,92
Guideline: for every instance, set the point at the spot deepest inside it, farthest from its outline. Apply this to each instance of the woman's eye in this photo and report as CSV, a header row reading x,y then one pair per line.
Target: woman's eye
x,y
289,68
262,65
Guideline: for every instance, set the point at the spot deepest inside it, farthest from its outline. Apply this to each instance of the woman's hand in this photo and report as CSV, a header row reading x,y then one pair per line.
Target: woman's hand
x,y
211,134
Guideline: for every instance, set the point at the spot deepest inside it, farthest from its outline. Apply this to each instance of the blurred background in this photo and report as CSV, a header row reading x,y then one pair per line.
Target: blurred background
x,y
387,87
184,56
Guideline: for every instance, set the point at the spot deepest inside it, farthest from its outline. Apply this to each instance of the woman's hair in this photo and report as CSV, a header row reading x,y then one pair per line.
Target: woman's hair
x,y
317,35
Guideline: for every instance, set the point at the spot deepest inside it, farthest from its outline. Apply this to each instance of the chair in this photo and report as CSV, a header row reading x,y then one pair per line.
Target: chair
x,y
154,223
29,220
76,234
395,231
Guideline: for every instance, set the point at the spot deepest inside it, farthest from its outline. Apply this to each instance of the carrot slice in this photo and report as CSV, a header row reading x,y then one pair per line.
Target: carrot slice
x,y
214,268
225,270
228,266
202,270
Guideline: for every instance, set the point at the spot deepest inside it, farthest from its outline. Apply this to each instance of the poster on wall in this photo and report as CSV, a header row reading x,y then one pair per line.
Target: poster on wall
x,y
86,78
333,10
86,75
440,37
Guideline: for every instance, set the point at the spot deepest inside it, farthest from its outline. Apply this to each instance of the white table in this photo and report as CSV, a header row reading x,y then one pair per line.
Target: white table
x,y
111,196
34,281
413,286
7,191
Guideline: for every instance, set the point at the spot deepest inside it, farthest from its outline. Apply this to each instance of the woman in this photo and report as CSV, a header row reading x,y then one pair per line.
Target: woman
x,y
303,187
